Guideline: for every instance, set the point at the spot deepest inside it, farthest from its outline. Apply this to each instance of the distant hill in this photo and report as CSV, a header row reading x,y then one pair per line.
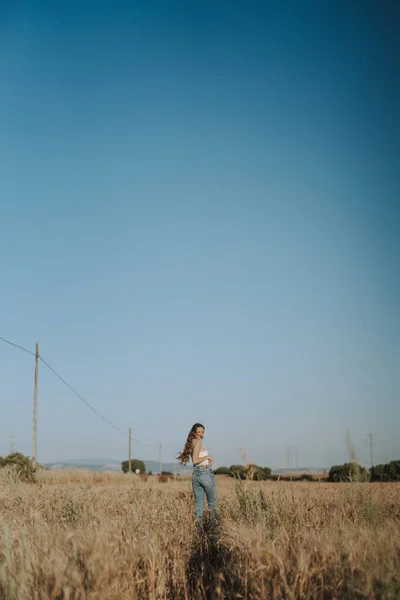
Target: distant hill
x,y
109,464
91,461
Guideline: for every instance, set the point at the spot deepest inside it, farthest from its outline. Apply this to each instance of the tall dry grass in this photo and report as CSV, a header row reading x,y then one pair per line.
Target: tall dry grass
x,y
89,536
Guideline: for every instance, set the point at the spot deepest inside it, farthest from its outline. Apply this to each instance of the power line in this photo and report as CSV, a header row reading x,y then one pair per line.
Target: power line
x,y
76,393
81,397
17,346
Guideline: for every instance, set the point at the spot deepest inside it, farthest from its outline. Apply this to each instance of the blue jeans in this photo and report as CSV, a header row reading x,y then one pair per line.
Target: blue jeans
x,y
203,481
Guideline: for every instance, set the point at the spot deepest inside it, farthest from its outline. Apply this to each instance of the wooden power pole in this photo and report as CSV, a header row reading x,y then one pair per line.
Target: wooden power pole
x,y
288,458
35,402
130,448
371,444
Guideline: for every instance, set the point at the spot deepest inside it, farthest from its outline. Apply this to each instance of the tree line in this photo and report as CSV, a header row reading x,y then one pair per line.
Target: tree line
x,y
25,470
350,471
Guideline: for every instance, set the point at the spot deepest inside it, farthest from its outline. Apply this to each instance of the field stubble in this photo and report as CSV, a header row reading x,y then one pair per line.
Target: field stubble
x,y
90,536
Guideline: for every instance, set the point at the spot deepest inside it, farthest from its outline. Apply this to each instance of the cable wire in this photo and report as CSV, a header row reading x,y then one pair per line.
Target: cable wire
x,y
76,393
17,346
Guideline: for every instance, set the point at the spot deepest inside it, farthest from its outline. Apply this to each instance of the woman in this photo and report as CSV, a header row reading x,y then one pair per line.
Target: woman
x,y
203,479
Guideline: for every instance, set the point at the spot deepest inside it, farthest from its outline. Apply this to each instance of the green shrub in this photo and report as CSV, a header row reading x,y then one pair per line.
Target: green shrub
x,y
261,473
351,471
394,470
387,472
238,471
306,477
252,472
135,464
281,477
222,471
22,465
167,473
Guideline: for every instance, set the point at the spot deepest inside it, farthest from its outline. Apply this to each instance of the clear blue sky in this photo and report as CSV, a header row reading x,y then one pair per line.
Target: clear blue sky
x,y
200,221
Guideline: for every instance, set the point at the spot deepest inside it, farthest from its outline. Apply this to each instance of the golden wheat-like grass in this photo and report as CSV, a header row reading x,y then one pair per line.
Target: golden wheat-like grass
x,y
107,536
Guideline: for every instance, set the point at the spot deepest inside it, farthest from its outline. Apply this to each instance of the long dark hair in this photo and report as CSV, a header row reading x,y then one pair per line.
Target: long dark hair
x,y
184,456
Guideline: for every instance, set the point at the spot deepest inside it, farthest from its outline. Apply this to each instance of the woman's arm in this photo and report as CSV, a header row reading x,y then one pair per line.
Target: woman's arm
x,y
196,459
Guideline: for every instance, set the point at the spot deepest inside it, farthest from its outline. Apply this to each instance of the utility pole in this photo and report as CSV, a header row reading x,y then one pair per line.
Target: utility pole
x,y
130,448
326,466
160,453
296,457
371,444
35,401
288,457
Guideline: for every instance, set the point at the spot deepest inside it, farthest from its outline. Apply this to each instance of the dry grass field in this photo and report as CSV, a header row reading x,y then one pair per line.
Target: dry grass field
x,y
85,535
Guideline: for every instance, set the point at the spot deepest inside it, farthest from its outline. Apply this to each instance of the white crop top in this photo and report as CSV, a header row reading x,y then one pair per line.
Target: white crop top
x,y
201,454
